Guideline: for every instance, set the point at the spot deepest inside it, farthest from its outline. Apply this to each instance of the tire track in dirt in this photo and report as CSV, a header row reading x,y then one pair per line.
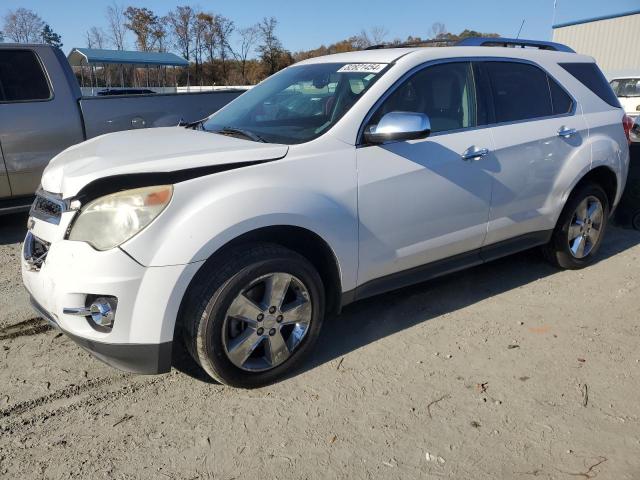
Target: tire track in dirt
x,y
97,393
64,393
32,326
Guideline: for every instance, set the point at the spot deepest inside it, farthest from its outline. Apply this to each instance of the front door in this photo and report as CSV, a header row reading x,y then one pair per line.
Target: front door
x,y
421,201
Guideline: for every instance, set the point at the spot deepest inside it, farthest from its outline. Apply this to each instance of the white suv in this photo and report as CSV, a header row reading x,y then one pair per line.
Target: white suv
x,y
627,89
336,179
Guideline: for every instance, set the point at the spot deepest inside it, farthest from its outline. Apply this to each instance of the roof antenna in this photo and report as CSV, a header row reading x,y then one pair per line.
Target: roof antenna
x,y
521,25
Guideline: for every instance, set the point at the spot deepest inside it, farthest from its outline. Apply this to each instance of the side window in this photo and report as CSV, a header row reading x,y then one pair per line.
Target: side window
x,y
560,100
591,77
520,91
444,92
21,77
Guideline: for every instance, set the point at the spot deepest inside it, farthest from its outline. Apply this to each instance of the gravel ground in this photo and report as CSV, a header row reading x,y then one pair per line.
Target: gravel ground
x,y
511,370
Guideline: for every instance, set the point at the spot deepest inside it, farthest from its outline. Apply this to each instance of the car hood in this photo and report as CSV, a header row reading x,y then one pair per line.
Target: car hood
x,y
157,150
631,105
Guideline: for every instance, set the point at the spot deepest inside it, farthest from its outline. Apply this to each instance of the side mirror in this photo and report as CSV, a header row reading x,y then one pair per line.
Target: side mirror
x,y
634,134
399,126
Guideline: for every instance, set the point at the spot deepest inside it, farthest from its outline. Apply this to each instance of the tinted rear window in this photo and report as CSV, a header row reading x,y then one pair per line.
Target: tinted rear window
x,y
520,91
591,77
21,77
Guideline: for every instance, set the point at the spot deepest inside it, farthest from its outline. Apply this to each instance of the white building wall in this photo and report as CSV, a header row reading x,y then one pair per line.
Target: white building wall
x,y
613,42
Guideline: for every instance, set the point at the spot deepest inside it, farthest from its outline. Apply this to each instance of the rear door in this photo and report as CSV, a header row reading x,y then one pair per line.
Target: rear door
x,y
538,128
36,122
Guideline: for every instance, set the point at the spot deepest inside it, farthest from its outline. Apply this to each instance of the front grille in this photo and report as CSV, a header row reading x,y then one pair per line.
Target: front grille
x,y
47,207
35,251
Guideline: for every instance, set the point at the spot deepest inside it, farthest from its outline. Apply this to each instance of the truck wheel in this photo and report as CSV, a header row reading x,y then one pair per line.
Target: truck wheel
x,y
580,228
255,316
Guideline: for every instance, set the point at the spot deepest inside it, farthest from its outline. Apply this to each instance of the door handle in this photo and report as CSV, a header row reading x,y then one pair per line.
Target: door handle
x,y
566,132
474,153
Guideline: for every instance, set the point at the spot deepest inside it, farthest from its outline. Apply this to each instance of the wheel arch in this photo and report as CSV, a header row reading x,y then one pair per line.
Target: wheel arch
x,y
299,239
605,177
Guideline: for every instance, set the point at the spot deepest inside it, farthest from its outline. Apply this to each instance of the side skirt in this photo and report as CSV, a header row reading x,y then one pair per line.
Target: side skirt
x,y
445,266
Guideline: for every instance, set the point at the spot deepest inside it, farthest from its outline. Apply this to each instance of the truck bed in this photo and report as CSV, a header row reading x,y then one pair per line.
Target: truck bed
x,y
125,112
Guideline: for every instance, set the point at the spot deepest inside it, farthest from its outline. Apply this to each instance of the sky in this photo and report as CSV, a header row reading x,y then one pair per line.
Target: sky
x,y
305,25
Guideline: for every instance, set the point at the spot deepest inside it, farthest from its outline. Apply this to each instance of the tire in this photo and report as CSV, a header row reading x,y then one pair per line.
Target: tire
x,y
575,253
229,314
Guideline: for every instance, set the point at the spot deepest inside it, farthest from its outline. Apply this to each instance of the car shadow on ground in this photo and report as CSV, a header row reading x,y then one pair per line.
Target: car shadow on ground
x,y
370,320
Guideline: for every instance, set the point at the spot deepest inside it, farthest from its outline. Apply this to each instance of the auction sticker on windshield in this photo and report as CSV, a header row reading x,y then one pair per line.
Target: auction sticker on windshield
x,y
363,68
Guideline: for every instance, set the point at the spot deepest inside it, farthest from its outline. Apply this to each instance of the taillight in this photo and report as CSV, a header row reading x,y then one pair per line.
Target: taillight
x,y
627,124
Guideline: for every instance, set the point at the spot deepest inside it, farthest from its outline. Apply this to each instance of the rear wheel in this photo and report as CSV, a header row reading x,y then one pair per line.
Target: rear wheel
x,y
255,316
580,229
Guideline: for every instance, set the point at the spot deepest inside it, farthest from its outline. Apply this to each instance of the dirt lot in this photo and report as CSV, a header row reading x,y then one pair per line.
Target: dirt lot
x,y
510,370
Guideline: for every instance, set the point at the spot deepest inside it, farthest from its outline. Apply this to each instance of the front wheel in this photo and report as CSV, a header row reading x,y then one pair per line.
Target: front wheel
x,y
255,316
580,229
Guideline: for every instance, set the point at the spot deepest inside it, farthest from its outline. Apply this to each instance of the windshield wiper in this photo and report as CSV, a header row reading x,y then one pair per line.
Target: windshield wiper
x,y
197,125
239,131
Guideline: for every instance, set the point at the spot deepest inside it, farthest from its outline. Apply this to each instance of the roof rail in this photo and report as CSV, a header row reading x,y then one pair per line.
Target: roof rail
x,y
512,42
422,43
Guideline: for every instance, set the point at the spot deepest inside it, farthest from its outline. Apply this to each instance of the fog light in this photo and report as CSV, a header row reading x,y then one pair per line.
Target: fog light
x,y
102,313
101,310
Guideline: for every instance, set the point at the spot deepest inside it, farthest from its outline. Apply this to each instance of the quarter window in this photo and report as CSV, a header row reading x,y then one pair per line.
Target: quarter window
x,y
560,100
520,91
21,77
444,92
591,77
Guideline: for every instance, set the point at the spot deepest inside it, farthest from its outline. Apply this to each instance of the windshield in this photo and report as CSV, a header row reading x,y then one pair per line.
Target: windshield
x,y
626,87
297,104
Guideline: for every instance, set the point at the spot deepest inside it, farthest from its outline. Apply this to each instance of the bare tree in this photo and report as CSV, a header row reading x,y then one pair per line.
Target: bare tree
x,y
378,34
224,29
438,30
116,22
202,24
96,38
248,39
210,35
375,36
360,41
270,49
23,26
181,22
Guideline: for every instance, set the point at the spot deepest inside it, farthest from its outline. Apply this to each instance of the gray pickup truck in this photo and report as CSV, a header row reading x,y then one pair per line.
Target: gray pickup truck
x,y
42,112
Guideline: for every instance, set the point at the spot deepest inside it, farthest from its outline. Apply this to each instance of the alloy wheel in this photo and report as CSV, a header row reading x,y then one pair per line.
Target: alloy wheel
x,y
585,227
266,322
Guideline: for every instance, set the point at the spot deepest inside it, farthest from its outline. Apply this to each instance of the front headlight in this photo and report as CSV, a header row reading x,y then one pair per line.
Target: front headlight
x,y
113,219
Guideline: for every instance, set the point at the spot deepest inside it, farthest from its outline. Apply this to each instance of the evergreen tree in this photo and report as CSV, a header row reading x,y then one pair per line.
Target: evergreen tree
x,y
50,37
